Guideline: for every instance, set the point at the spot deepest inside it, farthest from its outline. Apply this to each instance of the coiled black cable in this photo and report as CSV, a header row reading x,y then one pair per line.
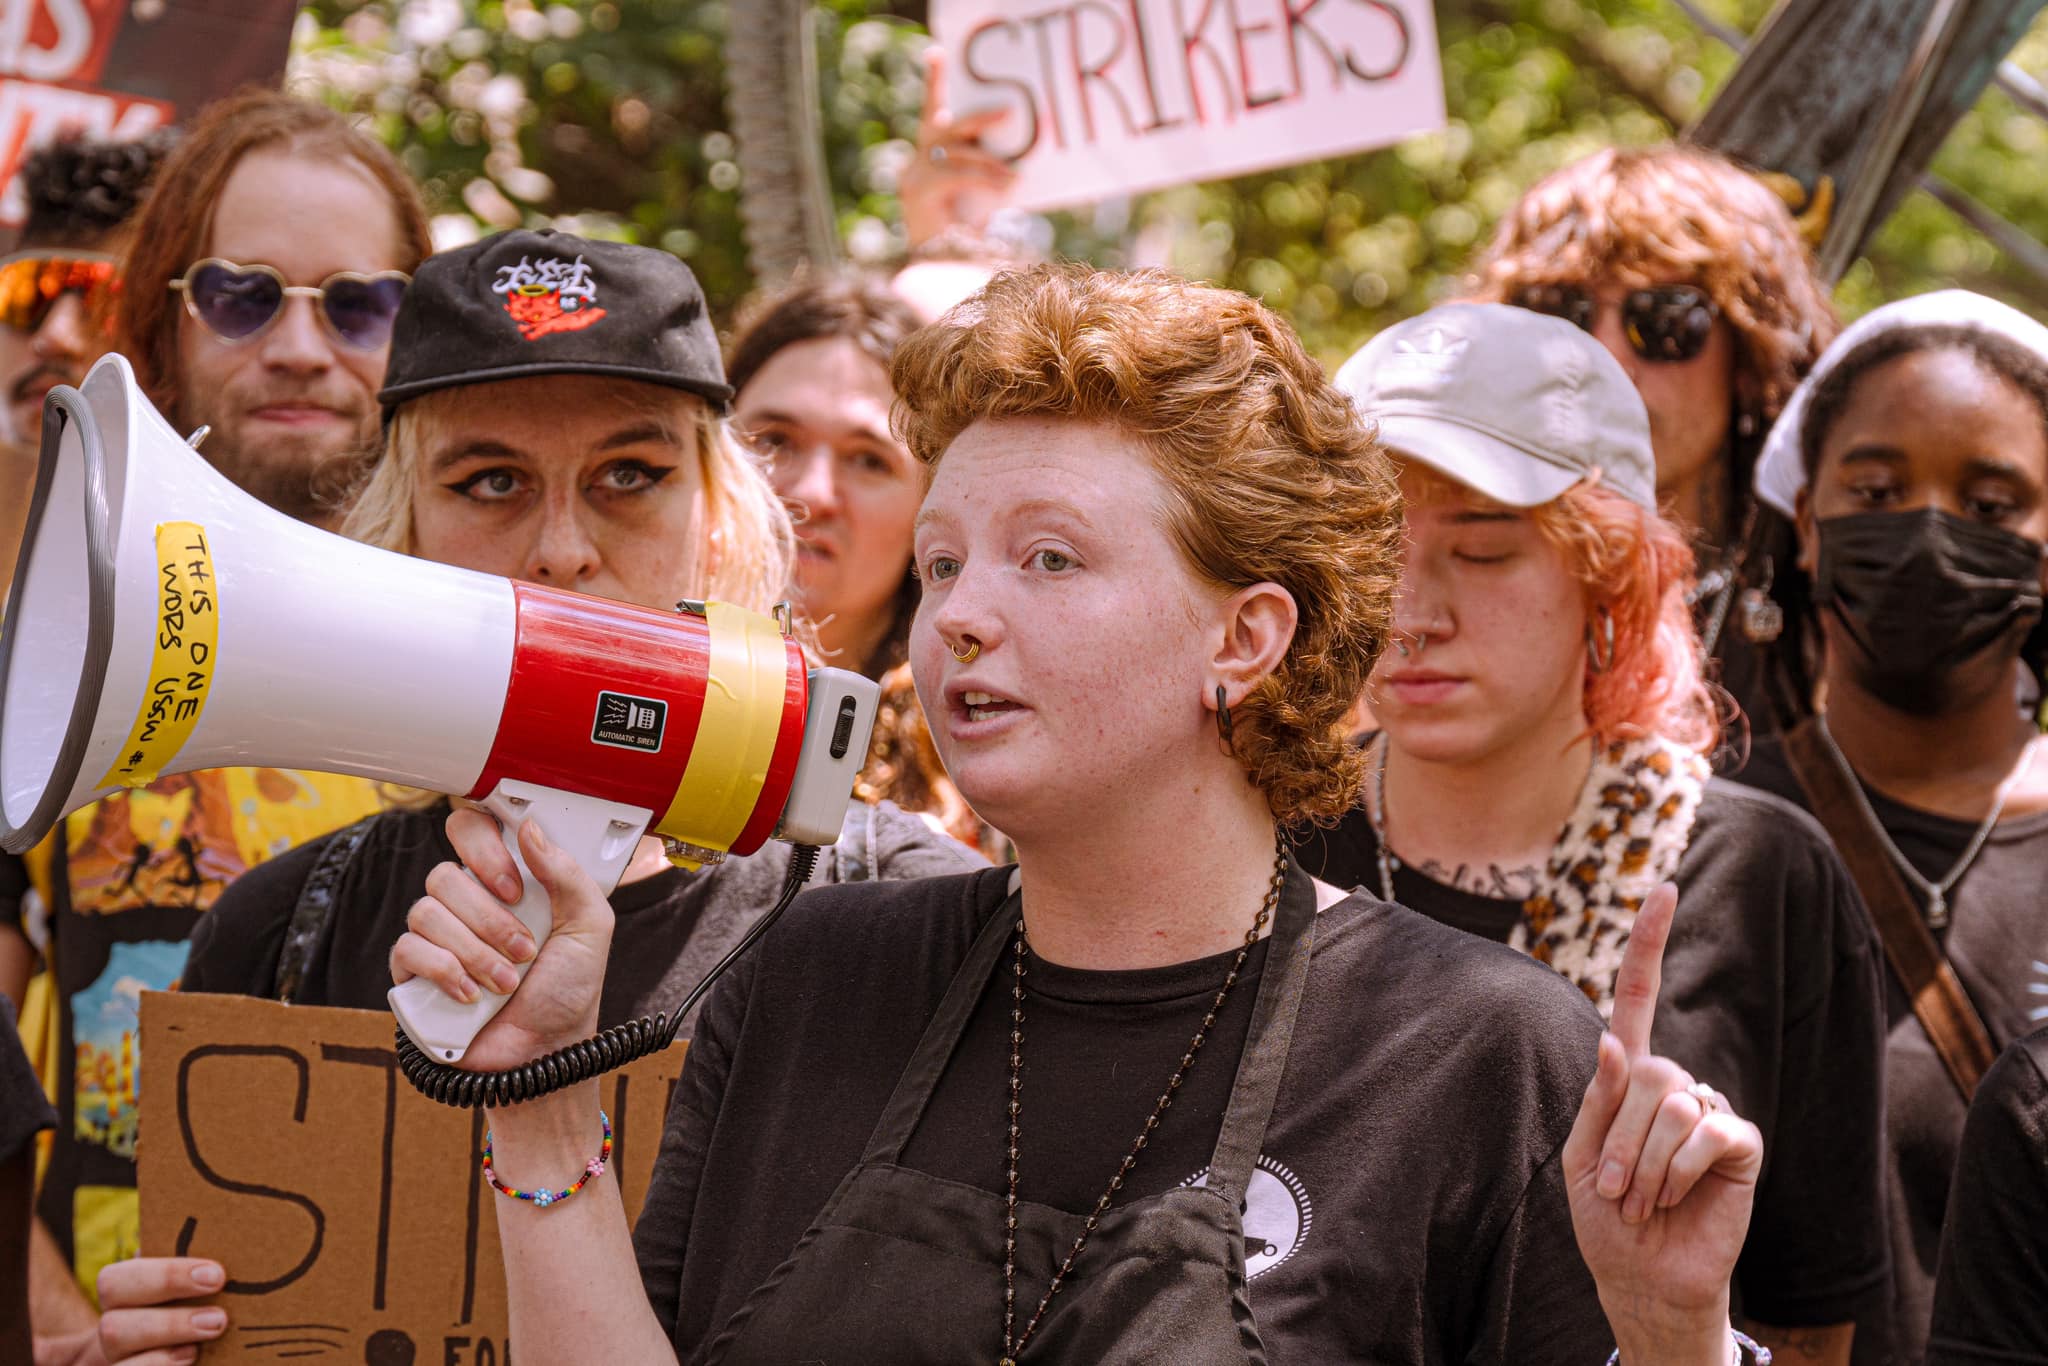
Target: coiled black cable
x,y
593,1057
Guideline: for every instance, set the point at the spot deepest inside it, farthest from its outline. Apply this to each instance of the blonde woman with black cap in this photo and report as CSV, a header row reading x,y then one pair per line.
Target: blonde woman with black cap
x,y
555,413
1542,767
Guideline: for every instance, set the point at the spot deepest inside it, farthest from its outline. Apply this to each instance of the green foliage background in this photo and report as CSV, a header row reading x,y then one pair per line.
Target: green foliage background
x,y
609,118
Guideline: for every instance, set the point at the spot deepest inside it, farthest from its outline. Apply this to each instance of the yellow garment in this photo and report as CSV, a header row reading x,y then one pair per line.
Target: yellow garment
x,y
172,846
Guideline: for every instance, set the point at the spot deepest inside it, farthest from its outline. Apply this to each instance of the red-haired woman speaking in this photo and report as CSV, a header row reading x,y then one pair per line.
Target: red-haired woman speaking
x,y
1155,1095
1542,768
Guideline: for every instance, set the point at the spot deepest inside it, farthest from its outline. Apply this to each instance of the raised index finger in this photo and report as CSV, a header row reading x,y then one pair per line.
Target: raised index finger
x,y
1642,971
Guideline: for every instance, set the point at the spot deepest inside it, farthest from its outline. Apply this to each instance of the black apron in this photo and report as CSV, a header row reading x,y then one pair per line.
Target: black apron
x,y
906,1268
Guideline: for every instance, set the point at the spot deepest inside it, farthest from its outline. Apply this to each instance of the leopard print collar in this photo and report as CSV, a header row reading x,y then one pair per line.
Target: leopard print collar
x,y
1627,835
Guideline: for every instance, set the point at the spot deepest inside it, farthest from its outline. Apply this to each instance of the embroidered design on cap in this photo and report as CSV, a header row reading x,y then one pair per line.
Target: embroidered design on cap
x,y
549,295
1433,343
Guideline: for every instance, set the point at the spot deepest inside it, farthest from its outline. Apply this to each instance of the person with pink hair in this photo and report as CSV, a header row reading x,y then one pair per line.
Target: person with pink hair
x,y
1542,766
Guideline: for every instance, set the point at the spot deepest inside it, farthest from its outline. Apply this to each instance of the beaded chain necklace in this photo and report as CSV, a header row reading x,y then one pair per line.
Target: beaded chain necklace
x,y
1012,1345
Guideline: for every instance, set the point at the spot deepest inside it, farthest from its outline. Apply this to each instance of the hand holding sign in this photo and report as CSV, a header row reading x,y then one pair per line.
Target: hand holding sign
x,y
144,1318
462,933
952,180
1661,1176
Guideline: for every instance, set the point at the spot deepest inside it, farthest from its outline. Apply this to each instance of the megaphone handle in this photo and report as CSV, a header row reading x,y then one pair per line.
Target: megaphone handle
x,y
601,836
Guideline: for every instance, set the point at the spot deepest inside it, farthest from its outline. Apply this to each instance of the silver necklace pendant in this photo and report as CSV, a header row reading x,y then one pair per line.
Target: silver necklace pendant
x,y
1937,910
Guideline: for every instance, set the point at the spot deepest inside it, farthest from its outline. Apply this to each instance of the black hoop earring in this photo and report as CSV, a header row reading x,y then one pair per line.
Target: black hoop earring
x,y
1223,719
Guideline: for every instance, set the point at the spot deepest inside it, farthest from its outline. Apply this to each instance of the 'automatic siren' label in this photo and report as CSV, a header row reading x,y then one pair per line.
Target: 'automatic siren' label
x,y
629,722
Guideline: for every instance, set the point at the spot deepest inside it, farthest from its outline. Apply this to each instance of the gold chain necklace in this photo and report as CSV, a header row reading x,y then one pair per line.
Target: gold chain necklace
x,y
1013,1345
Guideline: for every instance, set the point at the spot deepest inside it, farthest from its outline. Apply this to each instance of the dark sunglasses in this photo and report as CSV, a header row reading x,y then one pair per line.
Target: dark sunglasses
x,y
237,303
1666,323
31,283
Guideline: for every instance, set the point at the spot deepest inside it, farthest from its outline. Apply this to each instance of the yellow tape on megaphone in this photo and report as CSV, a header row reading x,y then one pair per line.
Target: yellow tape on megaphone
x,y
181,668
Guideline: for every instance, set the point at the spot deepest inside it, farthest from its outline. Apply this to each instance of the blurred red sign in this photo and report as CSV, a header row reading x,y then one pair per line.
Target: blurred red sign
x,y
119,68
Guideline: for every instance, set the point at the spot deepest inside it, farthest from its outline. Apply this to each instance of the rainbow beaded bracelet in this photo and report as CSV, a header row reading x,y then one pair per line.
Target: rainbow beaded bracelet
x,y
541,1199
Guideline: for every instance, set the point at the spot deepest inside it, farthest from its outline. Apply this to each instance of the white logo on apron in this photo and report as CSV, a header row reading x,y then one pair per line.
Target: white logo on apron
x,y
1277,1213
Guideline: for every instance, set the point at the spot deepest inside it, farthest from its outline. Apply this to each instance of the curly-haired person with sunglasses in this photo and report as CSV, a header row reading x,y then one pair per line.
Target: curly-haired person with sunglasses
x,y
1693,275
259,294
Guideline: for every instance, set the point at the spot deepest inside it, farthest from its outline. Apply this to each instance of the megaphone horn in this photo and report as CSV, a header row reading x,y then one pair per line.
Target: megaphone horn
x,y
162,620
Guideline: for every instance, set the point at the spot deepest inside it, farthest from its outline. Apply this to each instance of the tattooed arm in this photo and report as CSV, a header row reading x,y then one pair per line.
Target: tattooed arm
x,y
1826,1346
1504,884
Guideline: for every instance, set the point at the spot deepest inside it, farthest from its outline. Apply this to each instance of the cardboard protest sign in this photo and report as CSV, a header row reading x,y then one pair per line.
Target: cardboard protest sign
x,y
119,68
1113,98
349,1210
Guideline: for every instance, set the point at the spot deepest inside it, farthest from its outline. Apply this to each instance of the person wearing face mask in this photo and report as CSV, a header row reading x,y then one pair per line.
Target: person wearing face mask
x,y
1541,766
1914,461
588,455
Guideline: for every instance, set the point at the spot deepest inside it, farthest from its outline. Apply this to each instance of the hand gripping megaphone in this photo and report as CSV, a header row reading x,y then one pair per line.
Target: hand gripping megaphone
x,y
161,620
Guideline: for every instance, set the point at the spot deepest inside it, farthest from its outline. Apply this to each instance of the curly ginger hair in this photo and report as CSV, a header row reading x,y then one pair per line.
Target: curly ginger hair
x,y
1270,474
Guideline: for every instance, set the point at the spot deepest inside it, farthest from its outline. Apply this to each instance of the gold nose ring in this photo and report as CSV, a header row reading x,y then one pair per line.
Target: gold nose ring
x,y
968,655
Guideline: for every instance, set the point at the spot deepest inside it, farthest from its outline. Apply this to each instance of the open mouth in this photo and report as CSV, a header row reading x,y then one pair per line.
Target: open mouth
x,y
984,706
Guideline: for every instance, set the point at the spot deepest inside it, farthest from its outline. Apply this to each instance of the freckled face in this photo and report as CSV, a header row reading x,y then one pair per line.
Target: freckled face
x,y
1045,543
1506,628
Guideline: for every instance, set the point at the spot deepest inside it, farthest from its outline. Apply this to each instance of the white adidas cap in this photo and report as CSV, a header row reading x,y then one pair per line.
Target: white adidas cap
x,y
1518,405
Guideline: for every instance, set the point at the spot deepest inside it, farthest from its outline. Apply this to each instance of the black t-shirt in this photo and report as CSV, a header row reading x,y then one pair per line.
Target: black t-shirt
x,y
1409,1205
1997,942
1770,993
24,1110
1991,1298
695,917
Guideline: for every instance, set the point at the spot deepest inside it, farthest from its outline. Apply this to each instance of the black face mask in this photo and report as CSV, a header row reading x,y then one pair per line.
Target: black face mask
x,y
1921,593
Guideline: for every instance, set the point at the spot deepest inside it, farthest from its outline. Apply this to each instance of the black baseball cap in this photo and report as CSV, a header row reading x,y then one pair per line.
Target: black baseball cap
x,y
529,302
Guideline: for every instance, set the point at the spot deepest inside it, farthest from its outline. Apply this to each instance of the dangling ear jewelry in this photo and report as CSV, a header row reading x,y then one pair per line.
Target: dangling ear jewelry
x,y
967,656
1745,424
1223,719
1600,649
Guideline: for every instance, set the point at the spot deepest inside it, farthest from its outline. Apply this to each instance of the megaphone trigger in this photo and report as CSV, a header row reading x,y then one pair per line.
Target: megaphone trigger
x,y
599,834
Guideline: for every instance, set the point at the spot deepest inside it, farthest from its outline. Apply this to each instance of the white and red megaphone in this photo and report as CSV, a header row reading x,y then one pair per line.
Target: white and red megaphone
x,y
162,620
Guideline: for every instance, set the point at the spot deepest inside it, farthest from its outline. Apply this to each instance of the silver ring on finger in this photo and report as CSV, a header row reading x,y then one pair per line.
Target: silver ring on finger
x,y
1711,1101
937,155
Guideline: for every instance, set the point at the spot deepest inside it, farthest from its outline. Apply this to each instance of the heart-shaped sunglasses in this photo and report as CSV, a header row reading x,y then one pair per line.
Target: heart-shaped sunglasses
x,y
1666,323
238,303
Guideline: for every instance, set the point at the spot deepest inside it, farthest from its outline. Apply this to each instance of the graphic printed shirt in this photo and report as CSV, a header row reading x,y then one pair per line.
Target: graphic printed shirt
x,y
122,890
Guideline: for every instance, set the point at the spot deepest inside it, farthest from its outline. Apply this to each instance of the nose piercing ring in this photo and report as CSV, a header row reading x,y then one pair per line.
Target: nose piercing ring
x,y
967,656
